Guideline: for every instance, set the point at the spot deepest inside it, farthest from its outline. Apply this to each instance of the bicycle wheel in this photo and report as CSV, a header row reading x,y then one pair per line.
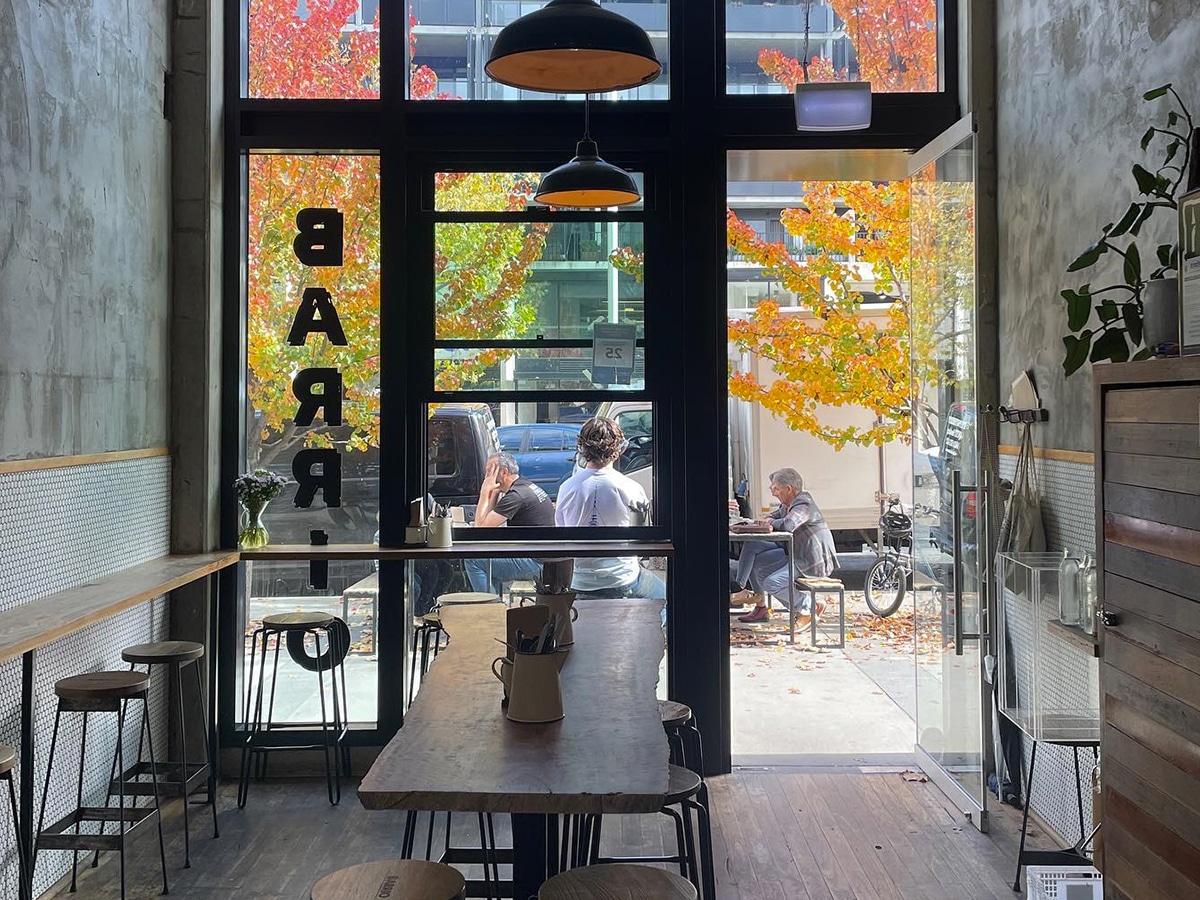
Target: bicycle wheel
x,y
887,581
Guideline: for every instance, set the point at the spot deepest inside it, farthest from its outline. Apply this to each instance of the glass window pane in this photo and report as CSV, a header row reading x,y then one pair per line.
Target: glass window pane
x,y
499,192
532,281
463,436
452,39
770,46
352,594
333,311
313,49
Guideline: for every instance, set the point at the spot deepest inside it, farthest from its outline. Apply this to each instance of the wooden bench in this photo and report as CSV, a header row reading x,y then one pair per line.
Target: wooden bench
x,y
818,586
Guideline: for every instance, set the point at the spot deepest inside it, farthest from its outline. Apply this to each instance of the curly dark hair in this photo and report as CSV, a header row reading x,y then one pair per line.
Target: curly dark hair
x,y
600,440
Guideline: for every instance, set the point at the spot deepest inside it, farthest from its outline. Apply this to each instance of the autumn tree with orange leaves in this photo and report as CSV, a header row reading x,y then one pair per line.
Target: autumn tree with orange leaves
x,y
481,269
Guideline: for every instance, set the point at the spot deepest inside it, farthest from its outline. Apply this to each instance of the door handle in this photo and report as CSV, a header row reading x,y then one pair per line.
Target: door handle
x,y
957,491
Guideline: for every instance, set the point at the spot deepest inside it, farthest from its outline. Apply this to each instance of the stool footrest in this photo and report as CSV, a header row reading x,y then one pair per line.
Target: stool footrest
x,y
474,856
170,780
57,836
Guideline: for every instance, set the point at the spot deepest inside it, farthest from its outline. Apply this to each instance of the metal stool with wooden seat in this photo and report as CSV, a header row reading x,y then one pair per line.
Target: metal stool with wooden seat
x,y
609,882
683,736
465,598
816,586
685,790
295,629
100,692
182,778
8,761
395,879
428,636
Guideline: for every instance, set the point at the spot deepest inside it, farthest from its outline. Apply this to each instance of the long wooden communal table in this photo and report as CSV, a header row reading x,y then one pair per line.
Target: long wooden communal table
x,y
457,751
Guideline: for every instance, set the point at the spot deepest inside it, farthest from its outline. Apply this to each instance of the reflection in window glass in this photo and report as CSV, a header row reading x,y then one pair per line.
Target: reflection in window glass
x,y
771,46
452,39
313,49
352,594
506,281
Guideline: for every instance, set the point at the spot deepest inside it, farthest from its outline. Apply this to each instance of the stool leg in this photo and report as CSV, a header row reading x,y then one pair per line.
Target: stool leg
x,y
45,792
495,857
177,669
344,728
406,838
329,774
265,757
162,846
1025,817
699,743
208,755
79,796
688,850
22,865
487,872
1079,792
708,876
252,720
121,791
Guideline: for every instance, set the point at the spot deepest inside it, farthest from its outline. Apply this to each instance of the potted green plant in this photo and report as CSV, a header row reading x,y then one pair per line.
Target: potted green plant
x,y
1138,311
589,249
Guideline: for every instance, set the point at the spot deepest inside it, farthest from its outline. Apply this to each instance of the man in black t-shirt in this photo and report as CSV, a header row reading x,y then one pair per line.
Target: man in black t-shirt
x,y
507,499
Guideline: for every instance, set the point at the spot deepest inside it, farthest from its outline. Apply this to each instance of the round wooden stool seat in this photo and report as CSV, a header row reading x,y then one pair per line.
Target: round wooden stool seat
x,y
464,598
163,652
8,759
297,621
394,879
102,686
682,784
674,714
617,881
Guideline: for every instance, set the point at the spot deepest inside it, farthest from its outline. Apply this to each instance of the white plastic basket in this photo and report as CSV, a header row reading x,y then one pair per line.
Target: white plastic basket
x,y
1064,883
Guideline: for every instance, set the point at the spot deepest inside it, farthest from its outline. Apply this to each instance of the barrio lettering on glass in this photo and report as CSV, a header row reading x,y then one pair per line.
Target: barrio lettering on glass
x,y
318,242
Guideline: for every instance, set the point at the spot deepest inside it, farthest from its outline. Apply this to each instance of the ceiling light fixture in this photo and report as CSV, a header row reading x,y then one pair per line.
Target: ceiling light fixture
x,y
573,47
833,106
587,181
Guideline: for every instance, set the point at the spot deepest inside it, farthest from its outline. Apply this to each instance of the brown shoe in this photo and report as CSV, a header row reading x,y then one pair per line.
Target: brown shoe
x,y
758,614
738,599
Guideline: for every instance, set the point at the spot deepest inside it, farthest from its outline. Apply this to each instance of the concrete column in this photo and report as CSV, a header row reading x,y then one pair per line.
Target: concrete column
x,y
195,103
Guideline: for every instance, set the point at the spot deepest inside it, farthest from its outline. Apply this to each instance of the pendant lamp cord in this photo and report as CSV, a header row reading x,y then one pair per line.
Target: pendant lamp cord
x,y
587,117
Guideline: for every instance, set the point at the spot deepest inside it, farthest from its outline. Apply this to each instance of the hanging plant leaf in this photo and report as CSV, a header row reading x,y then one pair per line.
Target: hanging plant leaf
x,y
1147,211
1145,179
1166,255
1077,351
1111,346
1132,317
1144,353
1148,137
1107,311
1089,256
1079,307
1156,92
1172,149
1133,265
1127,220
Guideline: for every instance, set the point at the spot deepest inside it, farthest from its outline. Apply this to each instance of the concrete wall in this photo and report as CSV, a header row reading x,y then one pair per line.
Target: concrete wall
x,y
84,226
1070,78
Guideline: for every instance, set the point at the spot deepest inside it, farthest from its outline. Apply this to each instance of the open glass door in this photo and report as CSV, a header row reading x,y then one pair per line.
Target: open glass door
x,y
952,715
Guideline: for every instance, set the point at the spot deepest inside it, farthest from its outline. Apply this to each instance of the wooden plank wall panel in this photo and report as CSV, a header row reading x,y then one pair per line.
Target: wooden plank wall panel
x,y
1148,502
1159,472
1171,405
1167,507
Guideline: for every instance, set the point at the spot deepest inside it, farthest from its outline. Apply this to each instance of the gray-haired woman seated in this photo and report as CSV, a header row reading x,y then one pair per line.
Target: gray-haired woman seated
x,y
762,567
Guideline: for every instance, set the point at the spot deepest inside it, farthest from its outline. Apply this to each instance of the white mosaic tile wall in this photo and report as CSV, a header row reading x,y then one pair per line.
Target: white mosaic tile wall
x,y
60,528
1068,512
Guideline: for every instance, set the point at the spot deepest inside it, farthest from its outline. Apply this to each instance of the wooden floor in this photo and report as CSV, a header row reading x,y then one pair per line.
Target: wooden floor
x,y
782,834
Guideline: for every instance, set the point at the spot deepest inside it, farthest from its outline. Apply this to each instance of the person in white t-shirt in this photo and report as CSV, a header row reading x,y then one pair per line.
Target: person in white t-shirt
x,y
599,495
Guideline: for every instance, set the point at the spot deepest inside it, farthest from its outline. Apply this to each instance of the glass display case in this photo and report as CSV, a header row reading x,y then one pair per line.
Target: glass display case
x,y
1048,673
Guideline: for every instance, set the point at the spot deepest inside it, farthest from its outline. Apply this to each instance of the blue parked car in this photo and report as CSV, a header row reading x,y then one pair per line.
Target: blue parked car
x,y
545,452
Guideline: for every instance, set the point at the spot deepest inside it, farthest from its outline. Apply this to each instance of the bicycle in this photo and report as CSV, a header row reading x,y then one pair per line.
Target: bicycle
x,y
888,577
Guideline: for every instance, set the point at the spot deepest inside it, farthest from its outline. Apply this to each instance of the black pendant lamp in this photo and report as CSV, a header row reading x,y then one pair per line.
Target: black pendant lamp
x,y
587,181
573,47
